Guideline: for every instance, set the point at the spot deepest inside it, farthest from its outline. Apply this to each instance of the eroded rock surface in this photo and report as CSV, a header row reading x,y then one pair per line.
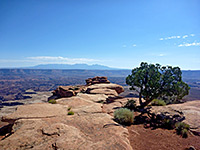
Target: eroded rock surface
x,y
189,110
118,88
96,80
68,91
84,130
48,126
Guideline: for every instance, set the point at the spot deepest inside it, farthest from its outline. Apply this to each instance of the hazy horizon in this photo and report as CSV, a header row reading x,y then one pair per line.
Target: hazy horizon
x,y
117,34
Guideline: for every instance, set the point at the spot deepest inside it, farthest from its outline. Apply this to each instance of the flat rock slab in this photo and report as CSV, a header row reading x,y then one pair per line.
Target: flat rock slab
x,y
118,88
191,111
82,100
92,131
41,110
104,91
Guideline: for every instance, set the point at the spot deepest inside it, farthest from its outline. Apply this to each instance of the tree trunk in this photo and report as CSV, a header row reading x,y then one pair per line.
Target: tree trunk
x,y
146,103
140,98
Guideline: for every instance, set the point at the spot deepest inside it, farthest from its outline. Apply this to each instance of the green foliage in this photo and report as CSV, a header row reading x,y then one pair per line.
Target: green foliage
x,y
158,102
182,129
184,133
168,124
156,81
123,116
52,101
101,101
70,113
69,108
131,104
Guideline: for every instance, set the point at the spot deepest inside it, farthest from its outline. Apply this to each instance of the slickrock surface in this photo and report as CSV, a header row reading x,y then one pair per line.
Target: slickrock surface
x,y
68,91
97,80
190,110
47,126
109,92
119,89
40,110
39,97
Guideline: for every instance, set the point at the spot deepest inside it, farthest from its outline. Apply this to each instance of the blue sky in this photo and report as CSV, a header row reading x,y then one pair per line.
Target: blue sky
x,y
115,33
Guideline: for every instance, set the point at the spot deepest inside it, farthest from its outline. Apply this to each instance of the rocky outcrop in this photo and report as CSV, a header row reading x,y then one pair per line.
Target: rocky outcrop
x,y
48,126
68,91
188,112
191,111
118,88
106,88
108,92
96,80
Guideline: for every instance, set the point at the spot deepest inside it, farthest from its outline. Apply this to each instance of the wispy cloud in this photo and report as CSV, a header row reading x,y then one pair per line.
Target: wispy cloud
x,y
158,54
51,60
161,55
124,46
62,59
176,37
189,44
185,36
134,45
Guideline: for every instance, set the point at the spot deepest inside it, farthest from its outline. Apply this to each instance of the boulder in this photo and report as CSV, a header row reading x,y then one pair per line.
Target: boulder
x,y
188,112
97,80
191,111
67,91
118,88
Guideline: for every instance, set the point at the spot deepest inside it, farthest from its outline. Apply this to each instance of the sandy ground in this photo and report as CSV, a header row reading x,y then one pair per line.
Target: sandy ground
x,y
160,139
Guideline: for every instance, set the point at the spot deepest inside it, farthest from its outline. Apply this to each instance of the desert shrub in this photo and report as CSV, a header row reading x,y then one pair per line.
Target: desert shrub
x,y
168,124
182,129
158,102
52,101
131,104
184,133
100,101
70,113
123,116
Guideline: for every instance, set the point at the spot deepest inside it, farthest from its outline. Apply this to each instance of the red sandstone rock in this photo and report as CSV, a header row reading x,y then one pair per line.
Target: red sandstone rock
x,y
97,80
118,88
68,91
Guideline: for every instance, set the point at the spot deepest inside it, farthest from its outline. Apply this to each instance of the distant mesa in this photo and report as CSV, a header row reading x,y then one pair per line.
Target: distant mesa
x,y
73,66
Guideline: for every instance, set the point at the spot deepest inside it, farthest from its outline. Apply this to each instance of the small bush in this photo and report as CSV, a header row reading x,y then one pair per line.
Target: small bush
x,y
52,101
131,104
182,129
69,108
123,116
101,101
184,133
70,113
158,102
168,124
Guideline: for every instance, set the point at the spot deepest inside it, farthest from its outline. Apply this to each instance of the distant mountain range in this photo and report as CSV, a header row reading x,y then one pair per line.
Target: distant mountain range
x,y
74,66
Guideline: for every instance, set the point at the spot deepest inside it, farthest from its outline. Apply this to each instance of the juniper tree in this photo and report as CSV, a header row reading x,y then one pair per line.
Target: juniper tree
x,y
156,81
